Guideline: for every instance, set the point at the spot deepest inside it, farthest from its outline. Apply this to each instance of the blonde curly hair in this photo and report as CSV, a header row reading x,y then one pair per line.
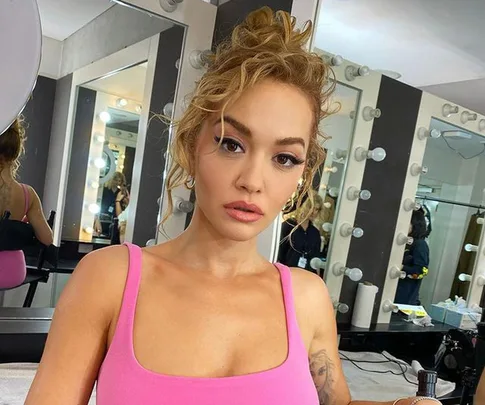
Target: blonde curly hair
x,y
12,146
265,46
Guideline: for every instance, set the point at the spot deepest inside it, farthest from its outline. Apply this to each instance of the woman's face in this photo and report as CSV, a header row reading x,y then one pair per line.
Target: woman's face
x,y
262,157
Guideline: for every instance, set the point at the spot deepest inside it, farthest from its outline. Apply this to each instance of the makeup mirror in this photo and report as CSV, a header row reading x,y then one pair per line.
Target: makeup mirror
x,y
310,243
450,192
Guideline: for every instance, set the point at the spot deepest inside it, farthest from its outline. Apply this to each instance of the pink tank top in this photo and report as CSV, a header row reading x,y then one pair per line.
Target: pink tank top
x,y
122,380
12,262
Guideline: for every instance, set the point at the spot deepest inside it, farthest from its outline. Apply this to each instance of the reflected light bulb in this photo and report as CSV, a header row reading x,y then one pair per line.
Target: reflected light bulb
x,y
94,184
99,163
464,277
327,205
94,208
100,138
105,116
88,229
121,102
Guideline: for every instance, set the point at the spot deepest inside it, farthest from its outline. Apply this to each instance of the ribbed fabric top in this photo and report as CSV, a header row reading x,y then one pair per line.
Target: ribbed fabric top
x,y
122,380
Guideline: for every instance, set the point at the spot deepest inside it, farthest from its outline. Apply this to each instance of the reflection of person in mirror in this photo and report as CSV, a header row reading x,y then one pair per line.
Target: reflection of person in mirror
x,y
300,239
415,261
204,318
21,201
114,200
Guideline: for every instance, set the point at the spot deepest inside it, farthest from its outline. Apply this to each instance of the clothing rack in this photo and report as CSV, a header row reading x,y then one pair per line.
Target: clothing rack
x,y
444,201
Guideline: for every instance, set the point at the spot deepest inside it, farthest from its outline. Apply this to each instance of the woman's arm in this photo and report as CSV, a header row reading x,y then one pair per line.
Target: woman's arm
x,y
76,343
36,217
325,364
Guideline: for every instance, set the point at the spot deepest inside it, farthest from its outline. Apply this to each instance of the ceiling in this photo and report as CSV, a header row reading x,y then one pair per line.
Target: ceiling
x,y
428,42
128,83
62,18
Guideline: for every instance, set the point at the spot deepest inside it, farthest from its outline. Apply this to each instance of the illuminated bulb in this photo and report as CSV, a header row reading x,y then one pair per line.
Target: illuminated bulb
x,y
105,116
122,156
327,205
99,163
94,184
121,102
138,108
471,248
89,229
100,138
480,221
94,208
464,277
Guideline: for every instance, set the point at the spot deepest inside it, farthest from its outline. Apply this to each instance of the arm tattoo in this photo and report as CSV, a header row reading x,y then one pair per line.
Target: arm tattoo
x,y
322,370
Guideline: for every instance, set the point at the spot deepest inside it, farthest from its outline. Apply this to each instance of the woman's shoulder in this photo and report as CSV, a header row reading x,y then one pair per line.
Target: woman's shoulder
x,y
308,287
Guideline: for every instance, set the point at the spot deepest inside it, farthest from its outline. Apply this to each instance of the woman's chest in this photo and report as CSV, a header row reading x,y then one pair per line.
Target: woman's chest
x,y
207,331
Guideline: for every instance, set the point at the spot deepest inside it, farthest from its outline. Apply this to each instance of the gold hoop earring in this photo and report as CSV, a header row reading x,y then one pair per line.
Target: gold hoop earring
x,y
190,182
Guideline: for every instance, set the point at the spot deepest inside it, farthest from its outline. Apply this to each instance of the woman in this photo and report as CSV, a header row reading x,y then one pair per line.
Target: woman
x,y
215,322
415,262
300,239
21,201
114,200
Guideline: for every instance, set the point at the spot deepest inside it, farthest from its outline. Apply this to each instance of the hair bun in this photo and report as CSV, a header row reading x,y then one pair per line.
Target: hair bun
x,y
264,29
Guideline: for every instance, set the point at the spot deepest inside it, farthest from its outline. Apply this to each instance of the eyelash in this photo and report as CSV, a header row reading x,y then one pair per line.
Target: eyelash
x,y
227,141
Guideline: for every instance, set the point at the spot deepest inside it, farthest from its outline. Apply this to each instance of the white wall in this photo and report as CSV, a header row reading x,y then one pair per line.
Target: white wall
x,y
51,57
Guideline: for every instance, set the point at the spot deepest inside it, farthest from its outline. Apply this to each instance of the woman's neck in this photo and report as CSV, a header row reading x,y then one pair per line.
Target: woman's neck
x,y
202,248
6,174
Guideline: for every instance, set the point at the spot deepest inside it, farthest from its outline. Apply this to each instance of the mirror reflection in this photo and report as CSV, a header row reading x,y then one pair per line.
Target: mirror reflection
x,y
307,243
88,140
447,223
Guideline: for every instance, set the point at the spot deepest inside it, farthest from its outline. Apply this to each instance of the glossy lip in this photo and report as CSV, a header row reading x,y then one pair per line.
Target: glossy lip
x,y
242,205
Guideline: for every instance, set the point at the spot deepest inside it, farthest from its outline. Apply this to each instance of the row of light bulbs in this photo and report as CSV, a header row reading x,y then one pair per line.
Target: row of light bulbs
x,y
466,116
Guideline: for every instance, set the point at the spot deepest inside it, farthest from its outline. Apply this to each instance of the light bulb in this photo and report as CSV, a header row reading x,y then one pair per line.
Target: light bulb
x,y
327,227
354,274
100,138
481,125
332,169
94,184
327,205
449,109
348,230
410,205
121,102
471,248
353,193
88,229
378,154
403,239
340,154
480,221
341,307
351,72
333,192
424,133
416,169
468,116
100,163
138,108
317,263
481,280
388,306
464,277
105,116
369,113
94,208
396,272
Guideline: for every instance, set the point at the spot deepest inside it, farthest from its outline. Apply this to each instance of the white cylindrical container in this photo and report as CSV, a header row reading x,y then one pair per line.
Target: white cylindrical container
x,y
364,305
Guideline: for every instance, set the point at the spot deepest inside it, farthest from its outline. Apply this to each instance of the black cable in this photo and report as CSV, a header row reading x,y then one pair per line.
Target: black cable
x,y
459,153
402,373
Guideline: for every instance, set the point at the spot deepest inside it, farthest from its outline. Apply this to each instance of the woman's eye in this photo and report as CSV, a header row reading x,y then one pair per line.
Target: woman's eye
x,y
229,145
288,160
